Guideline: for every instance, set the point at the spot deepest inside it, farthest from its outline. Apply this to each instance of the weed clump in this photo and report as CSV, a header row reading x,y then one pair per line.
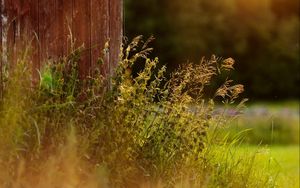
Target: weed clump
x,y
121,131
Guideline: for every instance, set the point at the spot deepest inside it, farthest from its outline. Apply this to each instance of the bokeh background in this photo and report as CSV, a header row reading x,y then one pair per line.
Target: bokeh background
x,y
261,35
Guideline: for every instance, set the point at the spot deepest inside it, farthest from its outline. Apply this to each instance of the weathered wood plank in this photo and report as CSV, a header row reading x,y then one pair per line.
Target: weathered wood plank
x,y
1,55
11,31
90,22
116,31
19,11
65,19
82,33
1,27
29,33
48,30
99,33
58,26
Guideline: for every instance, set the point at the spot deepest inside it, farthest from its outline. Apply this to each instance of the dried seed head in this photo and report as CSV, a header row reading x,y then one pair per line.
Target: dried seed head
x,y
236,90
228,63
222,91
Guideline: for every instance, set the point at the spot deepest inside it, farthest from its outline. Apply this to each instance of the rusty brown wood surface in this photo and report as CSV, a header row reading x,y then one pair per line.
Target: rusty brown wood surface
x,y
82,29
11,30
116,17
31,26
48,30
1,59
47,26
99,34
66,25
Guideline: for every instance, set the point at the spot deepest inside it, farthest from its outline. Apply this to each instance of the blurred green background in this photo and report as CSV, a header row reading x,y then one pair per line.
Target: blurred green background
x,y
261,35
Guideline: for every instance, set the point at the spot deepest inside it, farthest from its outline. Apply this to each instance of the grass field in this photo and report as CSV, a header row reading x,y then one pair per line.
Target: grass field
x,y
288,160
70,132
284,160
276,126
268,123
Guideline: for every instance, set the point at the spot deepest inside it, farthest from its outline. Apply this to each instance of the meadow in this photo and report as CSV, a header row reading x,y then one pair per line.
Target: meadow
x,y
271,129
128,131
284,158
269,123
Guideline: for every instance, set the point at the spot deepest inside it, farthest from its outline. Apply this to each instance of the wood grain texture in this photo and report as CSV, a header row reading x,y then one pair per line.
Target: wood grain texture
x,y
49,24
116,31
82,33
29,34
99,34
66,24
47,30
1,55
11,31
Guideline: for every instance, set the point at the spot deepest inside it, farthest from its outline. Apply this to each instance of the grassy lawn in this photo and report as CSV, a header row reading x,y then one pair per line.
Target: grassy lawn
x,y
288,159
284,160
275,125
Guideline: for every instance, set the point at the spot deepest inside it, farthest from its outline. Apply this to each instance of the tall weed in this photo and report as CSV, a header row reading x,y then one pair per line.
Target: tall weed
x,y
123,131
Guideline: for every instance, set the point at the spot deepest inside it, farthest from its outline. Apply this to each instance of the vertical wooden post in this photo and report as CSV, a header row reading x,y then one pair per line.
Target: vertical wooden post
x,y
82,29
99,33
47,30
1,55
47,24
29,30
11,31
116,32
59,4
66,24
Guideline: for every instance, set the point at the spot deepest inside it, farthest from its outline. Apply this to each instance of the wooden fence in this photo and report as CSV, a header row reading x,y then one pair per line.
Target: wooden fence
x,y
47,24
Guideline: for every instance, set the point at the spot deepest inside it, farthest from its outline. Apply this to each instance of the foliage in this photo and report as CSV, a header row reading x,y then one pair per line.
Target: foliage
x,y
134,130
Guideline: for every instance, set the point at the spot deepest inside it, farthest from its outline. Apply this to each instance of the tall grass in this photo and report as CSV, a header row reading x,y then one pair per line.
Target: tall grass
x,y
268,124
124,131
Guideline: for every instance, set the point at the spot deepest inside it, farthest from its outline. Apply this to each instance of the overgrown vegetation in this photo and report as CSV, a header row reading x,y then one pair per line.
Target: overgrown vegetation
x,y
122,131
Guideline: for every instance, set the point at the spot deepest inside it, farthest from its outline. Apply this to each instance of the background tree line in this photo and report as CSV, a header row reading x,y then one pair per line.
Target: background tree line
x,y
261,35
